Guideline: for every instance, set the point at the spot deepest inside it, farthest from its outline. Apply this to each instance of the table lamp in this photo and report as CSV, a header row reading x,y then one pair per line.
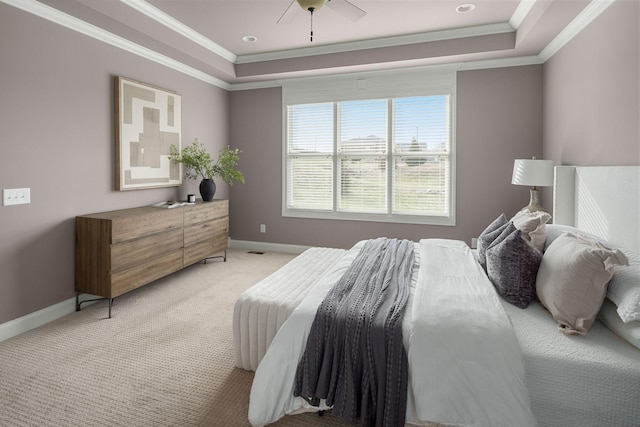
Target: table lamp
x,y
534,173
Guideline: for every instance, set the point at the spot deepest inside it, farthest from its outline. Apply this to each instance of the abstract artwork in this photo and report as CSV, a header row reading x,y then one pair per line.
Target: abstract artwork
x,y
148,122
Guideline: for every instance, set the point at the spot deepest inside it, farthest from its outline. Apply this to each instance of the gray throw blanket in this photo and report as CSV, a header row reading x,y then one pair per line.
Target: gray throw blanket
x,y
354,356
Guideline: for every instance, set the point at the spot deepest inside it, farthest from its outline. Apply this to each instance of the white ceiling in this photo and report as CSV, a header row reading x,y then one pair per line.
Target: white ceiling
x,y
206,35
226,22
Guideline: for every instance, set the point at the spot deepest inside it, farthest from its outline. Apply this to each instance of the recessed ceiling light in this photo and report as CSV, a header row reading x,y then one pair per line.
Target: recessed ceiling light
x,y
250,39
464,8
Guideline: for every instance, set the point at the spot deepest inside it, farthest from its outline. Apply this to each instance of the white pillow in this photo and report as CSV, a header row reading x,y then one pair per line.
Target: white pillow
x,y
624,288
572,280
629,332
556,230
533,226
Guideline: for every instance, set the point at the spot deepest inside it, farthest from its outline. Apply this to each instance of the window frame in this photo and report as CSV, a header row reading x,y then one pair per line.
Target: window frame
x,y
388,85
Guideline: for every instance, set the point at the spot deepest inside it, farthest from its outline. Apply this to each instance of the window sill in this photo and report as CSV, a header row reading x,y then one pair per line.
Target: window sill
x,y
448,221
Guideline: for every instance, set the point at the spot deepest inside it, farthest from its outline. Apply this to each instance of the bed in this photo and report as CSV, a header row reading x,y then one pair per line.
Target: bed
x,y
260,312
570,380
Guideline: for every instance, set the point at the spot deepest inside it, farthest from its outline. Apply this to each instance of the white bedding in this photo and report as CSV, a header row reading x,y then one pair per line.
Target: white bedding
x,y
577,381
466,363
573,381
262,309
487,387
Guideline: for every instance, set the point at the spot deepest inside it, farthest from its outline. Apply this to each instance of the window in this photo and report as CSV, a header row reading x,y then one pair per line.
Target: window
x,y
374,159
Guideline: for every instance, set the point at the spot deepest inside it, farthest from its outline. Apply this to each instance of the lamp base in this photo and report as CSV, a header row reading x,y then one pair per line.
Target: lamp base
x,y
534,202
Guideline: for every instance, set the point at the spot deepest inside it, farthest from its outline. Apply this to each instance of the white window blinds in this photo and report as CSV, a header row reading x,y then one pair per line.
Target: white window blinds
x,y
378,159
310,135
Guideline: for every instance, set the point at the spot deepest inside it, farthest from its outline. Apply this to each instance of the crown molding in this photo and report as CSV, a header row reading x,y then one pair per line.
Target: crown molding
x,y
458,66
481,30
173,24
521,12
588,15
519,61
255,85
54,15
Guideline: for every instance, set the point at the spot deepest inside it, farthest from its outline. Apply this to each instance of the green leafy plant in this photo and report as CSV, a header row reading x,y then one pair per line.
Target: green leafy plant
x,y
198,162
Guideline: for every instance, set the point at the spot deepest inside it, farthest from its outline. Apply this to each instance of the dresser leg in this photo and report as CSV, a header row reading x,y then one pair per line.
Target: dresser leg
x,y
79,303
224,257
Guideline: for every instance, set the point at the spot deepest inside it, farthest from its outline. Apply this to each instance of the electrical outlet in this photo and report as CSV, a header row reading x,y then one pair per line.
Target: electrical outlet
x,y
263,228
16,196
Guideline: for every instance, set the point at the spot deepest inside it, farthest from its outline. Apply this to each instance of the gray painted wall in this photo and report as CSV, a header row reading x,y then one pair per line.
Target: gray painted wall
x,y
499,118
592,93
56,115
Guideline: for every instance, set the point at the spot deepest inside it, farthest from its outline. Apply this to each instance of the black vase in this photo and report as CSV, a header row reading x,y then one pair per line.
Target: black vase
x,y
207,189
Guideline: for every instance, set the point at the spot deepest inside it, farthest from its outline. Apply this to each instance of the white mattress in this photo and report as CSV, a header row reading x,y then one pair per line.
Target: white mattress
x,y
263,308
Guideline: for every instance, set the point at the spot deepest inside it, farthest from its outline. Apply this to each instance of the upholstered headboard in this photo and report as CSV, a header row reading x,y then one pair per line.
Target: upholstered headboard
x,y
601,200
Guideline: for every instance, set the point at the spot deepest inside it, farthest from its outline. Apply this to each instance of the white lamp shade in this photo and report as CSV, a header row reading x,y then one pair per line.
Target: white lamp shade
x,y
532,172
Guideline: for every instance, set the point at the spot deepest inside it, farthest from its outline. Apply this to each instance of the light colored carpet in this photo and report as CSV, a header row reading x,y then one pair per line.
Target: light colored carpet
x,y
165,358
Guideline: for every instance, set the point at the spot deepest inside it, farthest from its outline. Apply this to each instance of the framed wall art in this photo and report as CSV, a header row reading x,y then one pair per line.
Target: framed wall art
x,y
148,122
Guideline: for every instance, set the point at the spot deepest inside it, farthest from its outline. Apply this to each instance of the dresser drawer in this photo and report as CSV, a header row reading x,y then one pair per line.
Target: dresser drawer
x,y
205,211
135,223
202,250
206,231
134,277
133,252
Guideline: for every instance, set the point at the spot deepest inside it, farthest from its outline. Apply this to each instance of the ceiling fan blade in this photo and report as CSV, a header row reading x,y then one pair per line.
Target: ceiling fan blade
x,y
289,14
346,9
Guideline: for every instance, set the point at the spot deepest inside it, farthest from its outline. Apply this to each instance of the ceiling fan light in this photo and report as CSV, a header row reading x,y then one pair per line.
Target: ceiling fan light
x,y
311,4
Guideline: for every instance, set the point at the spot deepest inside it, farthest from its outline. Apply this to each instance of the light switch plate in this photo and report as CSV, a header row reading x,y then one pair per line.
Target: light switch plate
x,y
16,196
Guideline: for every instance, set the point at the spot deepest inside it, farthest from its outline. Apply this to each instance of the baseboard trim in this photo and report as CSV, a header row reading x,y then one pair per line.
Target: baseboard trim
x,y
41,317
38,318
264,246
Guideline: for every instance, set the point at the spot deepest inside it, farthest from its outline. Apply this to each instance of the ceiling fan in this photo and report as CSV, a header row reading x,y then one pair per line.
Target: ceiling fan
x,y
343,7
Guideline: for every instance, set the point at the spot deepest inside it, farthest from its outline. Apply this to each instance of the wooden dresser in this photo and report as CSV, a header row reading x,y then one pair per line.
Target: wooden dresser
x,y
119,251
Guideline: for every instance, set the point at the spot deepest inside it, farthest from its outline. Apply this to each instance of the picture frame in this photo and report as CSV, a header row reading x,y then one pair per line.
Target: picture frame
x,y
148,120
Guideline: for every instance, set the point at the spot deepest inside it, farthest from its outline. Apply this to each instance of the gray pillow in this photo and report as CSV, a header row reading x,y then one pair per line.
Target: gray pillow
x,y
487,236
512,267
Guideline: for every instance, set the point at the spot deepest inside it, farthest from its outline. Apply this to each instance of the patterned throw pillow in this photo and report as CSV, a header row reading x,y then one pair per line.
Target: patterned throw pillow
x,y
487,236
512,267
